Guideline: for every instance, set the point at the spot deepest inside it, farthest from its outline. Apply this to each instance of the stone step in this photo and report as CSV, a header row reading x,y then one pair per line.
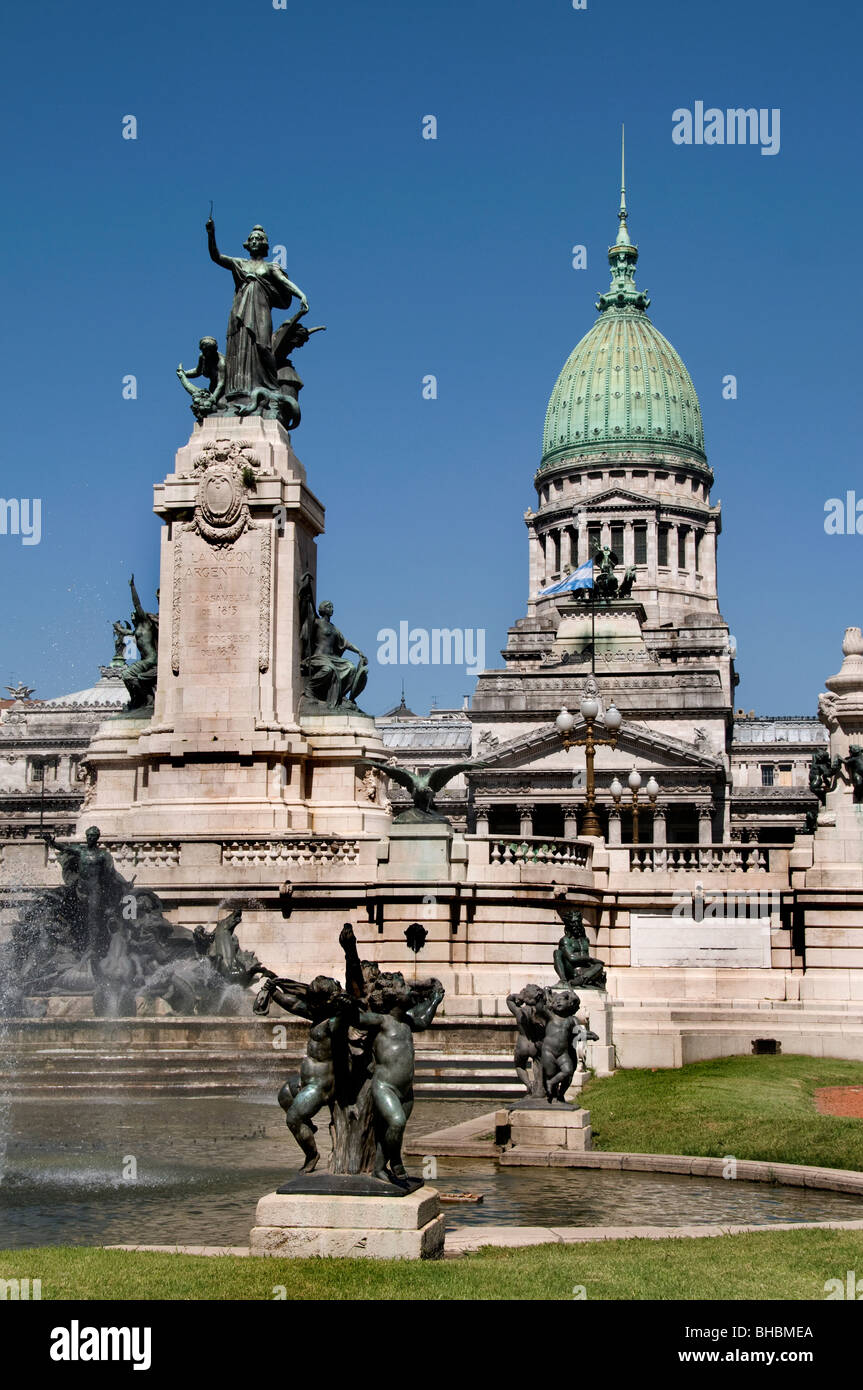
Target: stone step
x,y
206,1072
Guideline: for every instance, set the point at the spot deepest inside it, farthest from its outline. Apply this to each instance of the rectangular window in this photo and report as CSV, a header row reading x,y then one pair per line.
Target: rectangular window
x,y
662,546
785,775
594,534
617,541
681,547
766,774
640,537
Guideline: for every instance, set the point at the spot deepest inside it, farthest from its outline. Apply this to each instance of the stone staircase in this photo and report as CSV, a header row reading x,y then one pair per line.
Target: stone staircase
x,y
46,1073
95,1059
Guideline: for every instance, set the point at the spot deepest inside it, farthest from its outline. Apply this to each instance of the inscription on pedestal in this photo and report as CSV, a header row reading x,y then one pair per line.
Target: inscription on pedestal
x,y
221,603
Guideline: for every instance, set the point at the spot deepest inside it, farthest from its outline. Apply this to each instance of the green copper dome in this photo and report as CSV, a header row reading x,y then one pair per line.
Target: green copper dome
x,y
623,384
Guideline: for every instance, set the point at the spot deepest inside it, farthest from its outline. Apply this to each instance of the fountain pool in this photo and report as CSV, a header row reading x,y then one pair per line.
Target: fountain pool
x,y
190,1171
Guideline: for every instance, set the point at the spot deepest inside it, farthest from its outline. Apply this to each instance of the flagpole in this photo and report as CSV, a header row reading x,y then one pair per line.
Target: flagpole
x,y
593,631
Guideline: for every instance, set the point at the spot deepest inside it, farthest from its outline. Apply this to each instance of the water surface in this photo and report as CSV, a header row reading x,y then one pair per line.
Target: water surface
x,y
190,1171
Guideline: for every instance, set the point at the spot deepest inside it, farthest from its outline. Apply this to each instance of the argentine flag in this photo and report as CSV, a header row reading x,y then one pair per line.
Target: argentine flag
x,y
582,578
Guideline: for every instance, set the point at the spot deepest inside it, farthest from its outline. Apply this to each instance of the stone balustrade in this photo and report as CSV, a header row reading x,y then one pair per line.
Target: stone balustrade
x,y
536,850
318,850
144,854
696,859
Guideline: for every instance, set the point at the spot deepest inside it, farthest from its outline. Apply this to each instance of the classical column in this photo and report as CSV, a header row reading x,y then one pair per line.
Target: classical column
x,y
705,823
570,823
708,559
628,544
614,833
525,827
690,555
660,827
482,821
652,551
583,550
535,562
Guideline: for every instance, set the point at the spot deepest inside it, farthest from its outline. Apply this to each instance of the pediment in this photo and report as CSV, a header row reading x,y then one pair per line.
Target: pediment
x,y
541,748
612,499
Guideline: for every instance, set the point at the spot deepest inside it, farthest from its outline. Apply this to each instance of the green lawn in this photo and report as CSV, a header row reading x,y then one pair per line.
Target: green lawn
x,y
784,1265
751,1107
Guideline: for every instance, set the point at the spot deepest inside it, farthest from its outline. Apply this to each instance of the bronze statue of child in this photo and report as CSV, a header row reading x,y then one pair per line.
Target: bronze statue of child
x,y
558,1053
326,1006
396,1011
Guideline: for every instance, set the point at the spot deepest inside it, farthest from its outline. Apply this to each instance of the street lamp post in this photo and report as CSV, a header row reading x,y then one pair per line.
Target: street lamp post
x,y
589,707
634,781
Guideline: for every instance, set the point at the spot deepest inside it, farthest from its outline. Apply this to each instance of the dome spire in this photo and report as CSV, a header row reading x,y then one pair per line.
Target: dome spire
x,y
623,231
622,256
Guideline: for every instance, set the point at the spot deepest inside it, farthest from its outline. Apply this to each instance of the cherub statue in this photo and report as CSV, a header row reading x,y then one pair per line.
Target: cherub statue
x,y
328,1008
395,1012
524,1008
210,364
558,1052
422,787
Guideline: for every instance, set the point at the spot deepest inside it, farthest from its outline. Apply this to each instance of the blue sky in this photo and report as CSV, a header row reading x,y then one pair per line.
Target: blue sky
x,y
449,257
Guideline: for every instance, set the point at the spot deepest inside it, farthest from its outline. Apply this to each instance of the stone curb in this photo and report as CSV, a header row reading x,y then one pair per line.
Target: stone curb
x,y
469,1239
461,1139
746,1170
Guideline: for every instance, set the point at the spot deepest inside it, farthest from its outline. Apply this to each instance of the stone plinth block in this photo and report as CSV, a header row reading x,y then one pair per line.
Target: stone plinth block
x,y
560,1127
419,851
377,1228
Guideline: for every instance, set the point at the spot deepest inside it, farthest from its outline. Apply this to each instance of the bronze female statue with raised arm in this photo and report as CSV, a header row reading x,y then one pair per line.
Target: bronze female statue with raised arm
x,y
259,288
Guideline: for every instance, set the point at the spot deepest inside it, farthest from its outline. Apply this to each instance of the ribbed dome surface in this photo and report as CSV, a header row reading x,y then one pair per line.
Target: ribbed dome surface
x,y
623,384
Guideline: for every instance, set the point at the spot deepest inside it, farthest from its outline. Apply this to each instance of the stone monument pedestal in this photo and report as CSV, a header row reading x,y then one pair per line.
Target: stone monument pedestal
x,y
410,1227
225,752
534,1124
